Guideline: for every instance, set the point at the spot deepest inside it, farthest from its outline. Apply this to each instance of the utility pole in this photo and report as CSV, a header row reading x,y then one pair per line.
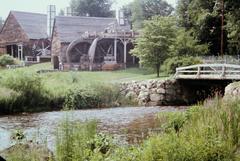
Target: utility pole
x,y
222,30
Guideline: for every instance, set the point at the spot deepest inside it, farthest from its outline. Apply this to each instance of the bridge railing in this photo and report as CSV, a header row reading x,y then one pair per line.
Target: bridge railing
x,y
209,71
226,59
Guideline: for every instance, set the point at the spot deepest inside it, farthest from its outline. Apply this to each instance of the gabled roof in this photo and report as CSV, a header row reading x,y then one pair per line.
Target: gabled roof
x,y
34,24
70,28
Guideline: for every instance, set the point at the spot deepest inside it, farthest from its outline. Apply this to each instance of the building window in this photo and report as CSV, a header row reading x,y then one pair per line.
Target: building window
x,y
20,51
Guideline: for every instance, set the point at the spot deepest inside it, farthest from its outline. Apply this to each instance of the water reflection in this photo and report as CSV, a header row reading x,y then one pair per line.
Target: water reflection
x,y
129,124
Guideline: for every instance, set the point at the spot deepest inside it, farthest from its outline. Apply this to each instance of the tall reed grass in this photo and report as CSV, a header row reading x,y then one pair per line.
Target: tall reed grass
x,y
208,132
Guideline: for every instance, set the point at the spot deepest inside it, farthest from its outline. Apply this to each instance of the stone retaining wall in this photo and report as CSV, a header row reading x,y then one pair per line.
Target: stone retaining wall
x,y
232,90
156,92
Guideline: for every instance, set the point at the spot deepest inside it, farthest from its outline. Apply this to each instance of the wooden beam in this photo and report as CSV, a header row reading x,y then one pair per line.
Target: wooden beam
x,y
125,54
12,54
115,49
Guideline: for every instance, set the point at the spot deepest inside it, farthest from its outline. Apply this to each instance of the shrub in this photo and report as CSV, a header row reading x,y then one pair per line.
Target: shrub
x,y
7,60
8,100
172,121
100,143
29,88
81,99
169,66
74,140
110,95
95,96
28,152
208,133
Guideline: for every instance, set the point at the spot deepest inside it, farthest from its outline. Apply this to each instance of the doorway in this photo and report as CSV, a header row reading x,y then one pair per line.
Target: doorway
x,y
16,51
12,50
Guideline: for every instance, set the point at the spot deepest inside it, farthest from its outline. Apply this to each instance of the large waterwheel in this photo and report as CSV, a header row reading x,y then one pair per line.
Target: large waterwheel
x,y
105,51
77,53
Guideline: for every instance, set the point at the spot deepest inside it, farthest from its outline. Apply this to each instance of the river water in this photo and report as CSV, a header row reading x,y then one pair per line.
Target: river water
x,y
128,124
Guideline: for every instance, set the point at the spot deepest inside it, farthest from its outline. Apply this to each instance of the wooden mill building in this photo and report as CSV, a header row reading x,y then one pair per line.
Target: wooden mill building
x,y
90,43
24,34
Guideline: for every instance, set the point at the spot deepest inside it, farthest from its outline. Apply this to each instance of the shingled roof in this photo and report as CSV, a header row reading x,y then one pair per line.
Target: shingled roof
x,y
70,28
34,24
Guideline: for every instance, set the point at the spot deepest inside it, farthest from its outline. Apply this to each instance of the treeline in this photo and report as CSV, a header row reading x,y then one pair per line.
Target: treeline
x,y
201,18
194,28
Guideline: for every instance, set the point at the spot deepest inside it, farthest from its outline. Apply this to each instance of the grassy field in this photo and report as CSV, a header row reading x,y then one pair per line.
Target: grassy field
x,y
53,88
63,81
85,76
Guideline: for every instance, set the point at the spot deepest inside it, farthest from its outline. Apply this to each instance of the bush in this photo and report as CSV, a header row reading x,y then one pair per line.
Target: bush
x,y
169,66
95,96
208,133
8,100
29,89
28,152
172,121
79,141
100,143
7,60
81,99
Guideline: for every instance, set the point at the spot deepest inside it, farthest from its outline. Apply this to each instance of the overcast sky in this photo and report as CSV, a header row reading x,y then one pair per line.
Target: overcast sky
x,y
40,6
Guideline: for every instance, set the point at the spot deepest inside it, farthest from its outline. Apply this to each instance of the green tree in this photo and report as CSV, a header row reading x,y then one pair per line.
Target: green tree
x,y
156,7
187,45
183,16
61,12
137,14
153,45
233,23
203,18
94,8
140,10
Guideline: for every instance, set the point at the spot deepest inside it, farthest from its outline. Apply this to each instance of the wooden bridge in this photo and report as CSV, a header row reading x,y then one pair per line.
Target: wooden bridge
x,y
209,72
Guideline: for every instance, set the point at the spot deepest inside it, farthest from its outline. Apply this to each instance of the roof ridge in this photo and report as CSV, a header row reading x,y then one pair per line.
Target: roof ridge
x,y
14,11
86,17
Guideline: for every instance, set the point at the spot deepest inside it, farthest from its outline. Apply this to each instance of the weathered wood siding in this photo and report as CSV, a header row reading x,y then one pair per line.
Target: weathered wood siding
x,y
2,50
12,32
55,44
55,49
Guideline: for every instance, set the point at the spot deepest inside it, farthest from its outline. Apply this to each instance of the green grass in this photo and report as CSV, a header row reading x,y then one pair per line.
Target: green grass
x,y
86,76
52,89
60,82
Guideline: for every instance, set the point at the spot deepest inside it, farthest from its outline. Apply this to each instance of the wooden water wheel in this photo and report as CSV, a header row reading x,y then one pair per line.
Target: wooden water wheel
x,y
105,51
77,51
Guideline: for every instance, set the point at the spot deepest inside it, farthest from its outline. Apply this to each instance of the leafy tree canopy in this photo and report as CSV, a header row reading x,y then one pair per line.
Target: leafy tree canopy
x,y
61,12
186,45
204,19
153,45
93,8
140,10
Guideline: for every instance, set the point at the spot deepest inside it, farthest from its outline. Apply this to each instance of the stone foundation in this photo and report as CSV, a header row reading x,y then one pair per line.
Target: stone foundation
x,y
156,92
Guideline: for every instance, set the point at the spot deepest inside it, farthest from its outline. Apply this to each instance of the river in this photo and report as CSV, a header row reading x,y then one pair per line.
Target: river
x,y
128,124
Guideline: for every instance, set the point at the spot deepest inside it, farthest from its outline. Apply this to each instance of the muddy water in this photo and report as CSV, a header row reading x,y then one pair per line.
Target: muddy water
x,y
128,124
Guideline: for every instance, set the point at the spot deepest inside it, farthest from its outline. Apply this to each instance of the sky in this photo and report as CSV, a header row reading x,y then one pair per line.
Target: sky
x,y
40,6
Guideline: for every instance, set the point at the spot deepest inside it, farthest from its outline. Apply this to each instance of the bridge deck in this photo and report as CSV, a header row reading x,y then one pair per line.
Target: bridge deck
x,y
209,72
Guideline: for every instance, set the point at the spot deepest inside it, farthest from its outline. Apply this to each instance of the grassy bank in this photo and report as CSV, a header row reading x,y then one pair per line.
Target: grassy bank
x,y
23,90
209,132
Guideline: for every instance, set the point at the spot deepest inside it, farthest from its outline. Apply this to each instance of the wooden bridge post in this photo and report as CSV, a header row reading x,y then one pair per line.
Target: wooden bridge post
x,y
125,54
198,72
223,71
